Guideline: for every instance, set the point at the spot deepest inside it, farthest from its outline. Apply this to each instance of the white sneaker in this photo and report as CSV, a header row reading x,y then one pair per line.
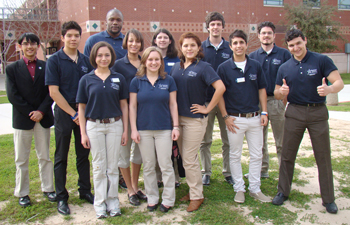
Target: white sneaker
x,y
101,215
239,197
260,196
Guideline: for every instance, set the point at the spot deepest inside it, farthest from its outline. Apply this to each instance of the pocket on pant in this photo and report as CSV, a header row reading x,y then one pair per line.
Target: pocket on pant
x,y
90,125
280,107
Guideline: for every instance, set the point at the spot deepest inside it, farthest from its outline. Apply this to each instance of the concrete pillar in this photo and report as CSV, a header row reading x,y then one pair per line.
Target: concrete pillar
x,y
332,99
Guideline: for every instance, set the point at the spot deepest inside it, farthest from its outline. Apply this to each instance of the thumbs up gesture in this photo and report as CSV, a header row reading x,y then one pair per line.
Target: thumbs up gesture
x,y
324,89
284,90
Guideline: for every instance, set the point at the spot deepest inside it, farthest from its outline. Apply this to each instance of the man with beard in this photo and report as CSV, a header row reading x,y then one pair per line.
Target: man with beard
x,y
112,35
271,58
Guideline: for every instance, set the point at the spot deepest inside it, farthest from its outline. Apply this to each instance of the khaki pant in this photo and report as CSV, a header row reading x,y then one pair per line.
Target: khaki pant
x,y
191,134
275,109
23,141
207,141
129,153
105,140
156,146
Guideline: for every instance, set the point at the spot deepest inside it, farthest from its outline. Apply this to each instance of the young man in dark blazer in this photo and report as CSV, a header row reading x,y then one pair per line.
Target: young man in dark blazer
x,y
32,115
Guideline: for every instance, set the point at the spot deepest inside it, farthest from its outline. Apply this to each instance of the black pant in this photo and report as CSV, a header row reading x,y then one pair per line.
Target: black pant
x,y
63,132
315,120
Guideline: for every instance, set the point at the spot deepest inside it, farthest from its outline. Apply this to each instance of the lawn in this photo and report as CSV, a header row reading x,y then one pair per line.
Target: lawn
x,y
3,97
346,78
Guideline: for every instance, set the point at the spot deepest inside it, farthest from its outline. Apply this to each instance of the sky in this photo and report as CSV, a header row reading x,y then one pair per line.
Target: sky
x,y
15,2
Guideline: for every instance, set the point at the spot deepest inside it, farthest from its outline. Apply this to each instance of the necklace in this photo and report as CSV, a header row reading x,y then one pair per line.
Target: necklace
x,y
76,59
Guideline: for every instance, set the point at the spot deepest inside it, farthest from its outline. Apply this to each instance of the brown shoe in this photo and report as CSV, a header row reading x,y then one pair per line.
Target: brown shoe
x,y
185,198
194,205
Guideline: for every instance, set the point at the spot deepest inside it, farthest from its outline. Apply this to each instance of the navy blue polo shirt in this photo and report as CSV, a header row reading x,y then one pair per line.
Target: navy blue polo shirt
x,y
62,71
215,58
125,68
117,43
270,64
102,96
242,89
192,83
304,77
153,111
169,63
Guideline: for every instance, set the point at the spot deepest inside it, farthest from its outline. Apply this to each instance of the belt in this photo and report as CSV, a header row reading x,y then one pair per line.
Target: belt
x,y
247,115
311,104
106,120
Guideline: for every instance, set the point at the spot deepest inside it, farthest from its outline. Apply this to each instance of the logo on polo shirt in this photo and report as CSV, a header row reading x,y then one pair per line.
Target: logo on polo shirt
x,y
253,76
225,55
276,62
163,86
311,72
115,86
84,69
192,74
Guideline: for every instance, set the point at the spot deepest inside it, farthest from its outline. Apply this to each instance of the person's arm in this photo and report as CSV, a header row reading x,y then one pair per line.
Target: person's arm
x,y
229,120
125,118
219,91
337,84
281,92
174,115
133,115
62,102
84,138
263,103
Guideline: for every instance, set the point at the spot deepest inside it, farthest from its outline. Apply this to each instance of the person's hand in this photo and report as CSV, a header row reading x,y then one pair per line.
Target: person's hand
x,y
85,141
284,90
175,134
36,116
196,108
76,120
324,89
124,140
135,136
231,125
264,120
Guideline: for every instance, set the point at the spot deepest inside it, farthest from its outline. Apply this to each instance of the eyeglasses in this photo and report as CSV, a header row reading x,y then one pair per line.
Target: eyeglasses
x,y
266,33
29,43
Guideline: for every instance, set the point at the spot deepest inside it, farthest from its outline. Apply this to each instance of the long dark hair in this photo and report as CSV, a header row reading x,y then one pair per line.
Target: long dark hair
x,y
172,51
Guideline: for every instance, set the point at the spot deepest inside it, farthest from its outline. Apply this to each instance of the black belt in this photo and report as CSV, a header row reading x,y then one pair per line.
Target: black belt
x,y
248,115
106,120
311,104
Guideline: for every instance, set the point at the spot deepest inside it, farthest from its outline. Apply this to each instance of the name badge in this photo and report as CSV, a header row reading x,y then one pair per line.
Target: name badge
x,y
171,63
240,80
114,80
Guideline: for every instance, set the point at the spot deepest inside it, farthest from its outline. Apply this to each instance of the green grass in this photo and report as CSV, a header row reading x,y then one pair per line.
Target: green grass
x,y
345,107
3,97
345,77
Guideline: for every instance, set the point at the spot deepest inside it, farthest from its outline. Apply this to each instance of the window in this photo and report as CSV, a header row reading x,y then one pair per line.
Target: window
x,y
313,3
274,2
343,4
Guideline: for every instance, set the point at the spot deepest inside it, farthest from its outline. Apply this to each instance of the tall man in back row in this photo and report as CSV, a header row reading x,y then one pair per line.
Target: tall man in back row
x,y
303,80
216,51
271,58
113,34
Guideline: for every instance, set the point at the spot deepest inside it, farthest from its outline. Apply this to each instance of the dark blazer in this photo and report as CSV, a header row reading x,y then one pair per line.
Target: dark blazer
x,y
27,95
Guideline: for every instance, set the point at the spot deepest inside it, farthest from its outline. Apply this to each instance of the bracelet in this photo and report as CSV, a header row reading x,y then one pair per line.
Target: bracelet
x,y
264,114
176,128
75,116
226,116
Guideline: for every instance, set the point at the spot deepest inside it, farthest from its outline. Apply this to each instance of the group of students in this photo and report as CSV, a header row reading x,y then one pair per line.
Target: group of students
x,y
149,102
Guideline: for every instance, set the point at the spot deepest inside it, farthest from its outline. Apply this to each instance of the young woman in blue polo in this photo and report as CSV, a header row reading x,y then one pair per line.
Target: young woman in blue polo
x,y
103,115
163,39
192,77
128,66
154,125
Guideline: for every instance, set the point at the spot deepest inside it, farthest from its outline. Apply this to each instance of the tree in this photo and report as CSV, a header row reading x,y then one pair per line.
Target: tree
x,y
317,23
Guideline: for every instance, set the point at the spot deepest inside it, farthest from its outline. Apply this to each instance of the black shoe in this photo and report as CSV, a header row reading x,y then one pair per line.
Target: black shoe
x,y
164,209
160,184
24,201
206,180
122,183
229,180
141,195
51,196
279,199
62,207
331,207
134,200
88,197
177,184
152,208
